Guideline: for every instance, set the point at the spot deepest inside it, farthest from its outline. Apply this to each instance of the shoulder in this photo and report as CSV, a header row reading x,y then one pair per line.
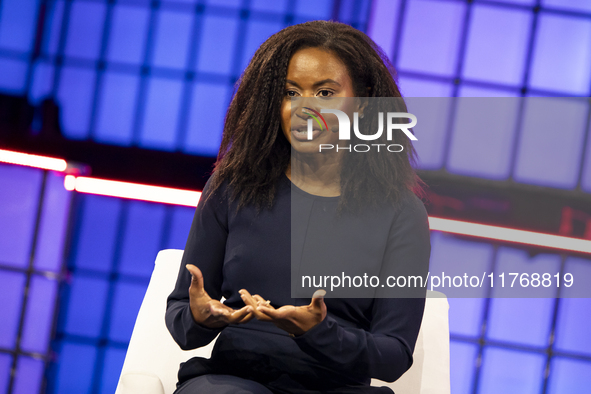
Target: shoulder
x,y
411,214
215,192
411,205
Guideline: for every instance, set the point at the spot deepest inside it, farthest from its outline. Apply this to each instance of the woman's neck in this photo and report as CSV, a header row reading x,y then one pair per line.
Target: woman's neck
x,y
319,176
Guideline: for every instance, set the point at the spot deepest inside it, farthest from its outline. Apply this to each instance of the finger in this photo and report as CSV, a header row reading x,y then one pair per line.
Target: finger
x,y
248,317
250,300
261,301
240,314
245,319
196,277
318,299
271,312
247,298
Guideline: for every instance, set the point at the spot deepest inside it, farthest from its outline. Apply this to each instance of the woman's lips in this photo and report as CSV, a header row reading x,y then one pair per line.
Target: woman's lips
x,y
302,134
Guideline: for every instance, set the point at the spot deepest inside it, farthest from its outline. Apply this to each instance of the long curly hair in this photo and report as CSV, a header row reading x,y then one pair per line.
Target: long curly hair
x,y
254,153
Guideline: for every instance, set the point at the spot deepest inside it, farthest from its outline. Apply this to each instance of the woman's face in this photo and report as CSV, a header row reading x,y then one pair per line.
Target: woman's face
x,y
313,72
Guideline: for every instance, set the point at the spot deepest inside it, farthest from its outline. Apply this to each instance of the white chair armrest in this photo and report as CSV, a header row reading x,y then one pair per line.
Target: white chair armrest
x,y
139,382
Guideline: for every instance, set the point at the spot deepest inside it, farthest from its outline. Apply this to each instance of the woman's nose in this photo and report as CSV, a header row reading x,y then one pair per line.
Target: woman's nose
x,y
298,105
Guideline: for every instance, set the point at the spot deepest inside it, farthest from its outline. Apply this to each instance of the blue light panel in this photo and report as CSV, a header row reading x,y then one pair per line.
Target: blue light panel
x,y
28,376
75,96
430,131
39,315
562,58
465,315
520,2
510,320
586,175
42,82
482,141
128,34
125,307
12,285
173,32
85,29
53,226
85,306
178,1
79,358
449,253
55,14
314,9
381,28
182,218
112,365
224,3
18,199
573,5
97,232
547,155
509,371
116,109
216,46
497,41
161,115
17,24
463,360
574,322
5,362
431,36
569,376
269,6
142,238
206,114
412,87
256,33
13,75
474,91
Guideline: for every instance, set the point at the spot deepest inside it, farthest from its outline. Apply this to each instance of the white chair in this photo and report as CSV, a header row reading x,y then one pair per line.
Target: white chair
x,y
153,358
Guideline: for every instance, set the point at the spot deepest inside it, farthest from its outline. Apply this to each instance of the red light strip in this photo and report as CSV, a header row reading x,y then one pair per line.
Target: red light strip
x,y
134,191
510,235
29,160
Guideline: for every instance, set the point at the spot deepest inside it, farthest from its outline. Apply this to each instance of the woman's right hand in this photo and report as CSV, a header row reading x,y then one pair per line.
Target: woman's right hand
x,y
209,312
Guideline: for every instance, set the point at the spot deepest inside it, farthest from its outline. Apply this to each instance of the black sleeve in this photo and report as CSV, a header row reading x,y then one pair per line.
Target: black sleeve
x,y
385,350
205,249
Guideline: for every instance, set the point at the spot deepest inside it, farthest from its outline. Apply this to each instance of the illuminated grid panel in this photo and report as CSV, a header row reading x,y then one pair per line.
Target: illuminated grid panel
x,y
509,48
154,74
33,233
112,257
504,345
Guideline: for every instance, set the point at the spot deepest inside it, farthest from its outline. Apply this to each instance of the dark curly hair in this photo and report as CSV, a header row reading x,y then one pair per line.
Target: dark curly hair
x,y
254,153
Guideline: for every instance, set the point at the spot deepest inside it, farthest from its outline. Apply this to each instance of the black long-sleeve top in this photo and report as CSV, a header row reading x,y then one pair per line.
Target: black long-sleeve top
x,y
360,338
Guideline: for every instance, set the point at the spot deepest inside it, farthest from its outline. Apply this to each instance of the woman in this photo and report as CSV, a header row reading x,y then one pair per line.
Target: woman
x,y
242,237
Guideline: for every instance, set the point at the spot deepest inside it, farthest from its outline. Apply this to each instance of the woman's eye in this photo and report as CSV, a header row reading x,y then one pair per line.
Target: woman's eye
x,y
325,93
290,93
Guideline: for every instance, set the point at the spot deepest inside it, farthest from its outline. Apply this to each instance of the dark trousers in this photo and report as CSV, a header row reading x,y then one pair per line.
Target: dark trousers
x,y
228,384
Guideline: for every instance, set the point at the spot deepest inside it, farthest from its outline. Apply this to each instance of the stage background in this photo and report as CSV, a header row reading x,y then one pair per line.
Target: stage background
x,y
159,75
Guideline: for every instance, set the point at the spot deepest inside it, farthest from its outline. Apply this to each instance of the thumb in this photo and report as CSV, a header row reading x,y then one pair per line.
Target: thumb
x,y
196,277
318,300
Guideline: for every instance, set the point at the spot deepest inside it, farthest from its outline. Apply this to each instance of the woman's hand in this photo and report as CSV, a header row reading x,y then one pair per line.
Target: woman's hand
x,y
296,320
209,312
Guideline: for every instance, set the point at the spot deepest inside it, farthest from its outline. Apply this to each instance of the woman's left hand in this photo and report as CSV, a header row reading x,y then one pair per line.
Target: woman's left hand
x,y
296,320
